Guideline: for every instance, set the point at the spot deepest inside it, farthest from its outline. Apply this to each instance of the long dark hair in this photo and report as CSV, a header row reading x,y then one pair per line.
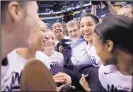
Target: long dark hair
x,y
96,20
119,29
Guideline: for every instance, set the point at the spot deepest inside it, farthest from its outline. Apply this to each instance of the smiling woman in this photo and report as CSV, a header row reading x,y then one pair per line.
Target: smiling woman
x,y
56,58
113,41
87,25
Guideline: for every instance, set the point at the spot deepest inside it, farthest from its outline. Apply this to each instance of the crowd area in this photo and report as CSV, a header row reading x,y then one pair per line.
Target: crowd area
x,y
96,55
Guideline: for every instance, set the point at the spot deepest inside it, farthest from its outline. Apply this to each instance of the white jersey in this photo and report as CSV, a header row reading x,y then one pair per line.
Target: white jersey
x,y
112,79
44,58
96,61
56,59
10,80
11,74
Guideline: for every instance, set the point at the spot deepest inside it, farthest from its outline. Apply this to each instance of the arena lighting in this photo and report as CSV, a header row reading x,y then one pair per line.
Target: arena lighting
x,y
59,13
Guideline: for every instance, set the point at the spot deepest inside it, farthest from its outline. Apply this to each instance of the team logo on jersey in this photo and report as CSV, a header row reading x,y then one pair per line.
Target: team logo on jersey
x,y
12,82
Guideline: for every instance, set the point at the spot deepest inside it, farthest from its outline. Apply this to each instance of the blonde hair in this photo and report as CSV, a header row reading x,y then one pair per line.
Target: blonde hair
x,y
50,31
